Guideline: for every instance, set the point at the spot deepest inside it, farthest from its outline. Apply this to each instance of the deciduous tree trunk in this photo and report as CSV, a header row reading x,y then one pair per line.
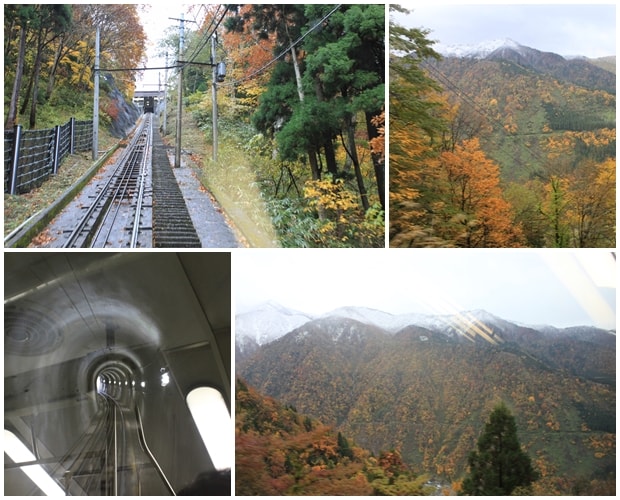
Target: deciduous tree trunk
x,y
11,119
377,161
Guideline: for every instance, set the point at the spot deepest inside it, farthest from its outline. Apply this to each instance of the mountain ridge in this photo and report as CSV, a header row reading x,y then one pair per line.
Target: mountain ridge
x,y
482,49
578,70
271,320
475,50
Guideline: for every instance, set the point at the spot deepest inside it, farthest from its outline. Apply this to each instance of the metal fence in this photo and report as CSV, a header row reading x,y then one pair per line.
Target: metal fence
x,y
31,156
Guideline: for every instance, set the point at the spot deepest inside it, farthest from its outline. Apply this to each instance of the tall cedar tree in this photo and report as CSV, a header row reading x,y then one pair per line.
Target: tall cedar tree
x,y
345,68
316,91
499,466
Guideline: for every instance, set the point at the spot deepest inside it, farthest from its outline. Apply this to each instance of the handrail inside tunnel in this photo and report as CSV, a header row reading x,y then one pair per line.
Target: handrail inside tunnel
x,y
145,447
112,456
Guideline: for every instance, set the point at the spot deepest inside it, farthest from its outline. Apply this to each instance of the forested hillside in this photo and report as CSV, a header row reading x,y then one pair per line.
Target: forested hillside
x,y
304,100
427,392
282,452
513,149
49,54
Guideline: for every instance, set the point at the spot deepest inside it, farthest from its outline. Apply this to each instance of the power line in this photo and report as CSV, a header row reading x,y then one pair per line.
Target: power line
x,y
276,58
476,107
207,36
182,65
111,70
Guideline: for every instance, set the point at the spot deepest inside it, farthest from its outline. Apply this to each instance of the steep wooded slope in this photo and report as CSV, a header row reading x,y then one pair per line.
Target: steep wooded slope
x,y
282,452
524,108
428,394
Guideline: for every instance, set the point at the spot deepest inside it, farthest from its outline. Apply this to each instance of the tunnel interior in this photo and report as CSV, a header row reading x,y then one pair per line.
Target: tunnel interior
x,y
101,353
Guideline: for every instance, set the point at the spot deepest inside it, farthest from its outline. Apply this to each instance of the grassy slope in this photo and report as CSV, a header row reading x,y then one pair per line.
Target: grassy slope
x,y
231,180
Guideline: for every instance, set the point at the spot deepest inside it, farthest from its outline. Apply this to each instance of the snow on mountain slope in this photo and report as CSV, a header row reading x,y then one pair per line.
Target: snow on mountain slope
x,y
478,50
365,315
267,322
271,321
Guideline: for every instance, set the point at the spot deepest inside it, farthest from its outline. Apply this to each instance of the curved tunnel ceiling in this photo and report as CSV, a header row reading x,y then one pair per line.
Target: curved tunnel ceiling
x,y
66,306
76,322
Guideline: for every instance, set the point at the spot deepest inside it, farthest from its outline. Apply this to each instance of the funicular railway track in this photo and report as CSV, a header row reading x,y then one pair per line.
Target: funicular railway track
x,y
135,202
120,199
111,458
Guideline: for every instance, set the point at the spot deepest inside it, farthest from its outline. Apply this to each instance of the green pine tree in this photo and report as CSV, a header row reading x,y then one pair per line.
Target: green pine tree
x,y
344,447
499,465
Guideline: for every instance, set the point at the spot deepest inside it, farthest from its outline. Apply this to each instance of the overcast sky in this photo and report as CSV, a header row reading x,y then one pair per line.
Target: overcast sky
x,y
566,29
155,18
532,287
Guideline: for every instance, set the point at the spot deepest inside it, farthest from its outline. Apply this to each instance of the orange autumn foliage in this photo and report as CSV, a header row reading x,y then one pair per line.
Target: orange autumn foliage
x,y
481,217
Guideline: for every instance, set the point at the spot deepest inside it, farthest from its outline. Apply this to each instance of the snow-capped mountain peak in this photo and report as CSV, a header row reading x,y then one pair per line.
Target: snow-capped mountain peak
x,y
478,50
363,314
268,322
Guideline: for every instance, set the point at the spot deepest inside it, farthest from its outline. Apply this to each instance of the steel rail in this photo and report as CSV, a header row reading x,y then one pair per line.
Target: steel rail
x,y
115,198
117,407
79,450
138,154
124,182
143,173
97,439
146,449
103,194
91,474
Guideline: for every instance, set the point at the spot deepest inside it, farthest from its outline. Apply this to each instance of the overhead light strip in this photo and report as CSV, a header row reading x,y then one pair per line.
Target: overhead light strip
x,y
211,416
17,451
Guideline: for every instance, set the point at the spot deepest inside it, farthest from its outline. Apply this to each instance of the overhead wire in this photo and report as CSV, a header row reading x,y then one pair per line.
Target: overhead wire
x,y
464,97
192,58
283,52
207,36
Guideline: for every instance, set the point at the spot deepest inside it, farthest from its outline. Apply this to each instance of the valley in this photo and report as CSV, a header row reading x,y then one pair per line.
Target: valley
x,y
500,145
423,385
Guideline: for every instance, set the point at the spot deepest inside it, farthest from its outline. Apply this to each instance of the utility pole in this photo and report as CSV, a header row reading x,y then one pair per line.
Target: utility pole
x,y
177,155
214,94
165,95
96,100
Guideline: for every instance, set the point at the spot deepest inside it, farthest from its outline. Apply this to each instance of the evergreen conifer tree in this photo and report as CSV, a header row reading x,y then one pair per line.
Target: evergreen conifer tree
x,y
499,465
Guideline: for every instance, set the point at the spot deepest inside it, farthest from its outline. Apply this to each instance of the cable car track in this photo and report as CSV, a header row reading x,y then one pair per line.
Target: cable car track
x,y
111,458
135,201
123,193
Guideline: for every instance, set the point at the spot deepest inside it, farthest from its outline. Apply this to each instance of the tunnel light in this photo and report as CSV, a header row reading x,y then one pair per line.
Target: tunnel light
x,y
211,416
165,379
143,384
18,452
